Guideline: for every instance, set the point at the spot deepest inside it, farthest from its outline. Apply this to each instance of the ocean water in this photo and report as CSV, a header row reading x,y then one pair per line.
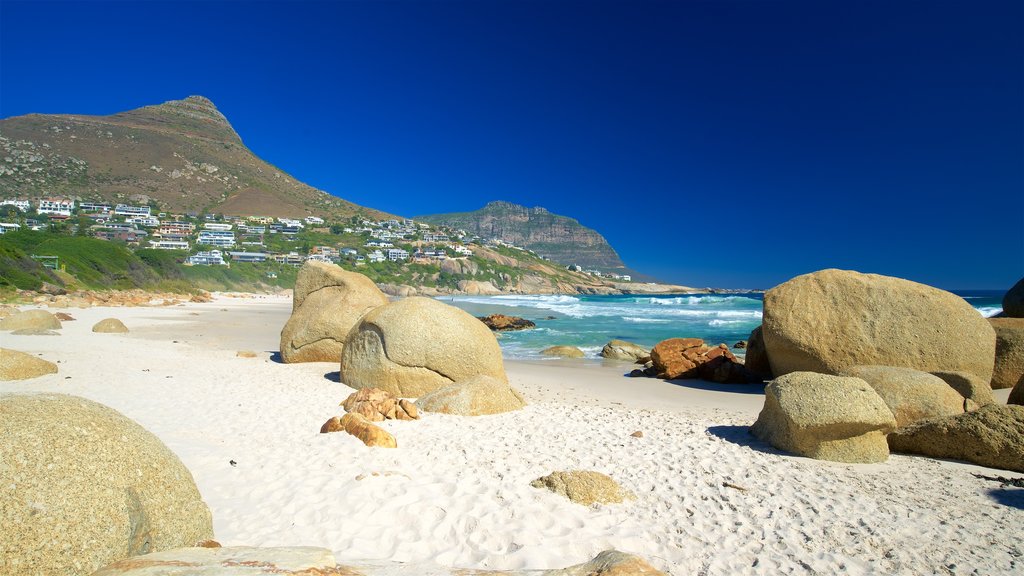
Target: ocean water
x,y
589,322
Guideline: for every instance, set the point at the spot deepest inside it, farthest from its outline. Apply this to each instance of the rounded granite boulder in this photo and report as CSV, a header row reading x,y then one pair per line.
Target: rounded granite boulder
x,y
110,326
1013,300
563,352
1009,365
30,320
417,345
910,394
623,350
830,320
478,396
84,486
327,303
16,365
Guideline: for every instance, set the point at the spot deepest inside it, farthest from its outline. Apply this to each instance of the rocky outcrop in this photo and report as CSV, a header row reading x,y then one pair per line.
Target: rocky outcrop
x,y
622,350
64,317
30,320
478,396
825,417
326,303
377,405
417,345
478,287
756,359
110,326
1013,300
503,323
1009,364
677,358
563,352
830,320
584,487
911,395
992,436
16,365
311,561
117,490
977,391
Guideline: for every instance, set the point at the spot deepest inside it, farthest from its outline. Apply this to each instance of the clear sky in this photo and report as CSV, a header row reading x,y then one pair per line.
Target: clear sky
x,y
721,143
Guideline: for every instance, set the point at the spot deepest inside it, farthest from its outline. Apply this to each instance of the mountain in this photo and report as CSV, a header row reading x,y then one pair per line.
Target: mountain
x,y
184,154
560,238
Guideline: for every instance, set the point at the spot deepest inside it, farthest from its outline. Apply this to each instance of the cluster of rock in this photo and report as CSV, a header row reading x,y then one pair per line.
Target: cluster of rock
x,y
503,323
60,298
692,358
15,365
866,363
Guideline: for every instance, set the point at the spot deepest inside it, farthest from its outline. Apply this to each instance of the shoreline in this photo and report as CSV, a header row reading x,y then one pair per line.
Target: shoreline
x,y
456,492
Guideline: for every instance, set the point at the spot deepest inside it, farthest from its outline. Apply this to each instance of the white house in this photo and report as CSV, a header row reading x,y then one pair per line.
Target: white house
x,y
148,221
126,210
396,254
169,244
56,207
23,205
211,258
218,226
376,256
8,227
93,207
216,238
314,220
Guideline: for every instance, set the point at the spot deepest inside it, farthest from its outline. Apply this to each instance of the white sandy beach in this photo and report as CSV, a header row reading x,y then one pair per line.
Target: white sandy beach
x,y
457,490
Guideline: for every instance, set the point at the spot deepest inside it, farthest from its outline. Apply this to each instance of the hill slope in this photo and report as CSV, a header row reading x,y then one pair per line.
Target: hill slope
x,y
184,154
560,238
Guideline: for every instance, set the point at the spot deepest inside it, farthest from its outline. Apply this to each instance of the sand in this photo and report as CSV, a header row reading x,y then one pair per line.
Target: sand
x,y
710,498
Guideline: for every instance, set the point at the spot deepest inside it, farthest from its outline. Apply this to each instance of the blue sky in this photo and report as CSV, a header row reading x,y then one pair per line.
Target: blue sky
x,y
723,143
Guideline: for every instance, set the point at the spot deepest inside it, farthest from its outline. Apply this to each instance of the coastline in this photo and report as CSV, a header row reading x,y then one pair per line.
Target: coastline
x,y
456,492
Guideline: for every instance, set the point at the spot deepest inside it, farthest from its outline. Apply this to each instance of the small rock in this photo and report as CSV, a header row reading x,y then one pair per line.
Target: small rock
x,y
637,434
563,352
371,435
741,345
377,405
503,323
110,326
584,487
245,354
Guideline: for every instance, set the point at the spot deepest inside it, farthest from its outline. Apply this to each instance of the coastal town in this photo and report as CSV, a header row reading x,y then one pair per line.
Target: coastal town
x,y
207,239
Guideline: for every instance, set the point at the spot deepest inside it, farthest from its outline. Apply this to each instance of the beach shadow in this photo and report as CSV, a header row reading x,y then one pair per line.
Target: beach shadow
x,y
1012,497
741,436
333,376
275,356
757,388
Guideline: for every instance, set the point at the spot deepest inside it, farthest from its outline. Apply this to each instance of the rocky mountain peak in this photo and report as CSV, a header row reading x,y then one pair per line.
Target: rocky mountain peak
x,y
192,116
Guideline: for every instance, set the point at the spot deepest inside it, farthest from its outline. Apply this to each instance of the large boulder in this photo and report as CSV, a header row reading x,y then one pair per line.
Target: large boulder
x,y
1017,394
84,486
326,303
756,359
478,396
110,326
910,394
830,320
1009,364
31,320
417,345
622,350
584,487
970,386
825,417
691,358
1013,300
992,436
16,365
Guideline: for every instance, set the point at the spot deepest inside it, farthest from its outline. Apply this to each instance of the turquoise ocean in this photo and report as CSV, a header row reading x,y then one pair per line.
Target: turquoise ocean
x,y
588,322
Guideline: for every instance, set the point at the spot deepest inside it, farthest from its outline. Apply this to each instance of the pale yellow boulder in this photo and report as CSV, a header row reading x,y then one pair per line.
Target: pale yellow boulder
x,y
326,303
910,394
16,365
1009,365
416,345
110,326
563,352
584,487
30,320
478,396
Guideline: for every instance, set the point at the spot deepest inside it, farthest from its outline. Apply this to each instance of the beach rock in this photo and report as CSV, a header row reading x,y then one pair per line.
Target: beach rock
x,y
110,326
970,386
756,359
477,288
231,561
830,320
584,487
1009,364
992,436
35,332
417,345
30,320
52,289
327,302
741,345
910,394
372,436
8,310
563,352
245,354
1013,300
64,317
16,365
478,396
333,424
622,350
609,563
84,486
677,358
503,323
825,417
1017,394
637,373
377,405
